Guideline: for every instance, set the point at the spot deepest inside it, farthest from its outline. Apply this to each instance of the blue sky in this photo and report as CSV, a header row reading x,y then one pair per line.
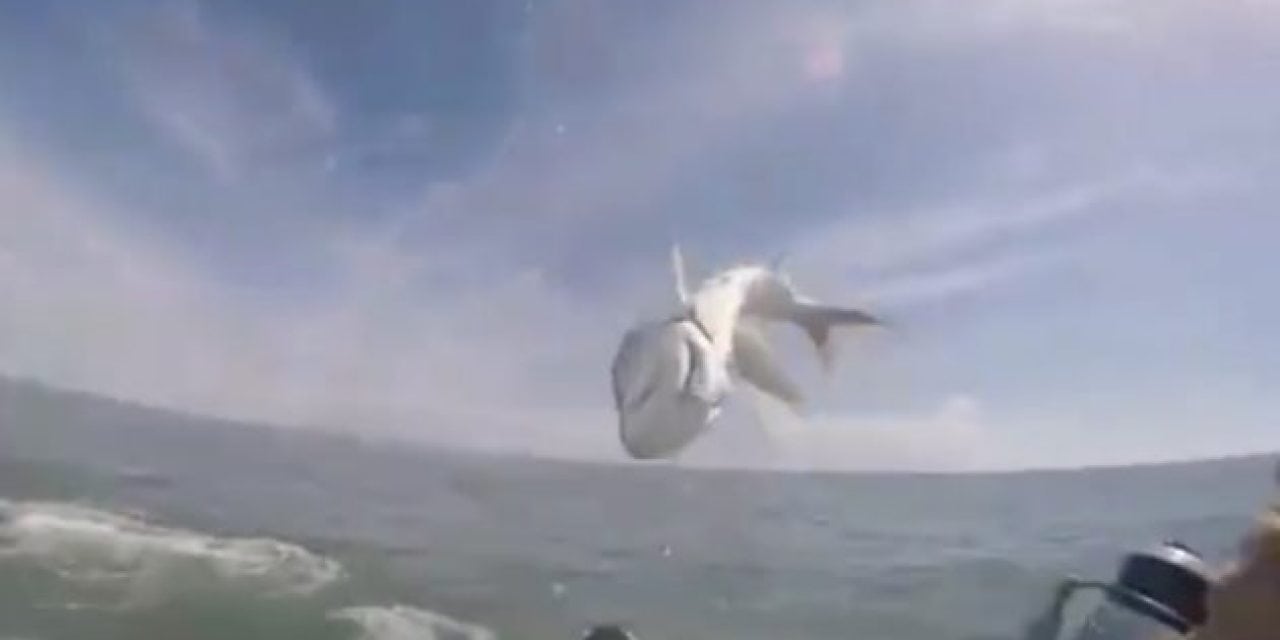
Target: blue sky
x,y
434,219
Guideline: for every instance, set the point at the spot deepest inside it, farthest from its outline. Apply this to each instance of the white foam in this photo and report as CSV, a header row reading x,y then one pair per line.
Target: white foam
x,y
400,622
137,562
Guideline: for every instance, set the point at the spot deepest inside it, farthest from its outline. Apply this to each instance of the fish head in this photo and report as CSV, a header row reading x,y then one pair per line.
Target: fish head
x,y
668,389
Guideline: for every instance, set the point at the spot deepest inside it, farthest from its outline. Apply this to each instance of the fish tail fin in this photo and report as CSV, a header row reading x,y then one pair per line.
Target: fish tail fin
x,y
817,321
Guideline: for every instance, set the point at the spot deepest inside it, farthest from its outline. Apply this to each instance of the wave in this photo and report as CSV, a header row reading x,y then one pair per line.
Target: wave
x,y
137,563
402,622
142,477
106,570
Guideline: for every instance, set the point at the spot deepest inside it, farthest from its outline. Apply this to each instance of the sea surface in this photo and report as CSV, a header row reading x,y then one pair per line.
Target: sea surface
x,y
123,522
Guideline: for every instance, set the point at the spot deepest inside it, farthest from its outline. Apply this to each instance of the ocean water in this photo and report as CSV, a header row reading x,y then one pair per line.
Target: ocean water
x,y
120,522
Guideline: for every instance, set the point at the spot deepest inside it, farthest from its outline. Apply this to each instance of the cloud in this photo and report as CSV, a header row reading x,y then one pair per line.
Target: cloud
x,y
1126,22
883,242
974,277
431,340
232,98
75,290
87,305
588,162
923,256
951,436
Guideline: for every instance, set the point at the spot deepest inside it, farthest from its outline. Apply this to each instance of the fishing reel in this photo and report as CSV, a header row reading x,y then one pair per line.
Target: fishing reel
x,y
1156,593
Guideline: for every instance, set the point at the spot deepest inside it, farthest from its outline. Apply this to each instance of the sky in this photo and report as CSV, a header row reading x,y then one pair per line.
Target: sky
x,y
434,220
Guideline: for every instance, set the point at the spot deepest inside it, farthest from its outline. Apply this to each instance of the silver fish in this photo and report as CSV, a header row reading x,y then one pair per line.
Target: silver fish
x,y
672,376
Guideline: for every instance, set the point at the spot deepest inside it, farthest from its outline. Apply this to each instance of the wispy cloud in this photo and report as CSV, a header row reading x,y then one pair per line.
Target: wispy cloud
x,y
1125,22
231,97
940,285
921,256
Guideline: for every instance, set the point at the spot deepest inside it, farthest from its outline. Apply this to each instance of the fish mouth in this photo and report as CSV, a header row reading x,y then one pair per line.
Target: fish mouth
x,y
646,435
637,449
638,453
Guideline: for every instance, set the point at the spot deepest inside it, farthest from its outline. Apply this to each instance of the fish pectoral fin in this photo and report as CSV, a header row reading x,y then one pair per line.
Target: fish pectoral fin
x,y
754,361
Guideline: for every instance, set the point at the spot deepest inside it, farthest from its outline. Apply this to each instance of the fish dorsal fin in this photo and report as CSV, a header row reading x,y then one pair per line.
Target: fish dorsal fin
x,y
677,269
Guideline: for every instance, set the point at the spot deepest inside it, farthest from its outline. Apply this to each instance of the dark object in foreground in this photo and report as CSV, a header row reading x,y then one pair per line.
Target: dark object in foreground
x,y
1159,590
608,632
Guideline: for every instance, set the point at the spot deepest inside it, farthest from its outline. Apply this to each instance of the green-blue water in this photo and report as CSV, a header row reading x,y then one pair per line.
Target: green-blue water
x,y
118,522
